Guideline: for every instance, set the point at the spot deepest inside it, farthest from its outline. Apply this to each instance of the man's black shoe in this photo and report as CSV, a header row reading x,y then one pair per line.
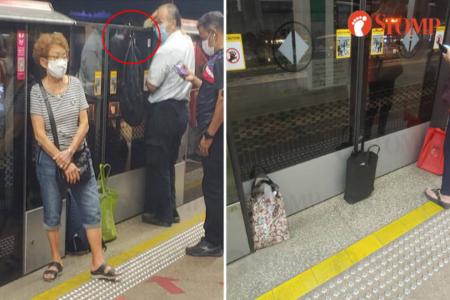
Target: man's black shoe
x,y
205,248
176,217
151,219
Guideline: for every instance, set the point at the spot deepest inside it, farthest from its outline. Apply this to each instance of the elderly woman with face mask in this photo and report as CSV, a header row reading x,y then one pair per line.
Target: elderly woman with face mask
x,y
61,98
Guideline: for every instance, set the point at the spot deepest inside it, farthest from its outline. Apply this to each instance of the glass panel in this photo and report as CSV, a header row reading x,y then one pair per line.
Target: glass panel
x,y
86,63
288,106
12,147
125,146
232,194
402,81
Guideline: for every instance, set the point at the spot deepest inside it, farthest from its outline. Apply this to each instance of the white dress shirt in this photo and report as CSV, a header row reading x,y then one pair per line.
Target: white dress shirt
x,y
178,48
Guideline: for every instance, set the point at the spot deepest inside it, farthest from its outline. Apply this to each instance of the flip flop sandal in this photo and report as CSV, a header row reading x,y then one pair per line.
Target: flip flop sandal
x,y
437,200
54,274
101,273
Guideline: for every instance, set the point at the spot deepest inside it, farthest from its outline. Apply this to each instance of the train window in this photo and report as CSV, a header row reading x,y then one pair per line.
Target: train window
x,y
402,80
124,144
284,111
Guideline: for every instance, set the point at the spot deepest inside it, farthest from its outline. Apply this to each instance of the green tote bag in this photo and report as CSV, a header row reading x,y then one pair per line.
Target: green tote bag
x,y
108,203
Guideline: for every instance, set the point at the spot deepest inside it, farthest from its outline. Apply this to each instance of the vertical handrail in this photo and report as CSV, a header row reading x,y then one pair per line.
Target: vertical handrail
x,y
25,165
104,104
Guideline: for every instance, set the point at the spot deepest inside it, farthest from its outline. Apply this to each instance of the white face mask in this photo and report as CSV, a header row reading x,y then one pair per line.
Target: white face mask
x,y
57,68
206,48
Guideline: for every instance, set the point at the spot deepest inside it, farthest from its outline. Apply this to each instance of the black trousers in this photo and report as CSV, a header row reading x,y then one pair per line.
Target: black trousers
x,y
165,125
213,190
445,188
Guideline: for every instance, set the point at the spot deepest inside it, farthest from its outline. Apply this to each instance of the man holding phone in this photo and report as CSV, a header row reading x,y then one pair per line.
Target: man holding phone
x,y
210,114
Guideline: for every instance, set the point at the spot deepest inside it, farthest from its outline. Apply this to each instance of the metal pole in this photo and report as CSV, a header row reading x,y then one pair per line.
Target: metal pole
x,y
104,101
359,80
240,188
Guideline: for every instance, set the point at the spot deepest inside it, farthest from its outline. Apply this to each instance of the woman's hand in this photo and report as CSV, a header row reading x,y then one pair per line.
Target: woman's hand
x,y
72,174
63,158
204,146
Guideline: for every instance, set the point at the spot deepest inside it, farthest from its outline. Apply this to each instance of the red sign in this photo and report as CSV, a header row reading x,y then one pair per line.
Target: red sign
x,y
233,56
21,51
404,25
167,284
360,23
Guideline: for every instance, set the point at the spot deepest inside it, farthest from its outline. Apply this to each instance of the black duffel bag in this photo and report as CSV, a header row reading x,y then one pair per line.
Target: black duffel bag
x,y
360,177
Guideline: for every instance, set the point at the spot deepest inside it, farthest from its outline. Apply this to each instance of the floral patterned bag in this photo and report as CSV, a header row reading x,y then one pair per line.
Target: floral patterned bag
x,y
266,213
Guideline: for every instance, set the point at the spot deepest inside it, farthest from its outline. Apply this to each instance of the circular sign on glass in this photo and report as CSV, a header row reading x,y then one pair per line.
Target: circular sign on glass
x,y
292,47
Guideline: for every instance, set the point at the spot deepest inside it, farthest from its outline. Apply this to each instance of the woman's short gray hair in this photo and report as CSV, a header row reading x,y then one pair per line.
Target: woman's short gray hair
x,y
211,20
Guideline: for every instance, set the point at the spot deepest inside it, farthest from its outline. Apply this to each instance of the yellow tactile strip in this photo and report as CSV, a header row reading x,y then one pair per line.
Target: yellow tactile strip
x,y
82,278
312,278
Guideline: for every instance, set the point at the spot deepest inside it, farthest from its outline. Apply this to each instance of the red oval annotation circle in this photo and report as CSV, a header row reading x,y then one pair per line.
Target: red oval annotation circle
x,y
122,13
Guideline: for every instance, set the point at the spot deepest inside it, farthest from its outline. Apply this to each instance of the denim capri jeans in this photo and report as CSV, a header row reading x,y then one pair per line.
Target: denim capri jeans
x,y
85,194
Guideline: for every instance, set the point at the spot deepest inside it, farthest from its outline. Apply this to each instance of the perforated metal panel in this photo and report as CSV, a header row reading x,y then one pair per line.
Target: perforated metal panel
x,y
283,139
7,245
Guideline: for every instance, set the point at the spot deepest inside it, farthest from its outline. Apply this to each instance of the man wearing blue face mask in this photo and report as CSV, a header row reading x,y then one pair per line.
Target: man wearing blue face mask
x,y
167,116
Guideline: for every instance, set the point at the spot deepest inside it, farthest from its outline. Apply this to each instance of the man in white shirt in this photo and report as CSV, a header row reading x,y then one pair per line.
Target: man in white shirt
x,y
167,116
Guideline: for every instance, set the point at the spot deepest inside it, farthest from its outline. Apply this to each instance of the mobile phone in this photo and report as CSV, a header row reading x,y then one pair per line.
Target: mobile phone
x,y
181,70
444,48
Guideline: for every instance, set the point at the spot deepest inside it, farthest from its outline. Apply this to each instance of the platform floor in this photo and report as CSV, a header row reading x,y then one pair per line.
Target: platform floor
x,y
190,278
326,229
193,278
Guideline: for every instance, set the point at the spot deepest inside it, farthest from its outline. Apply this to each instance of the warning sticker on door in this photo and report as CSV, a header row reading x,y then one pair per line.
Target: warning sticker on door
x,y
377,42
21,54
98,83
439,38
235,53
343,43
113,83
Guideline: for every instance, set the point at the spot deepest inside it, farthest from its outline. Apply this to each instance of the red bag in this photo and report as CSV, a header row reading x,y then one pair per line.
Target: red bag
x,y
431,156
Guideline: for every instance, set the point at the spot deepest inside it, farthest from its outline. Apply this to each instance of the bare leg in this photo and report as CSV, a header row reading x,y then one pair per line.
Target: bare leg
x,y
94,236
53,238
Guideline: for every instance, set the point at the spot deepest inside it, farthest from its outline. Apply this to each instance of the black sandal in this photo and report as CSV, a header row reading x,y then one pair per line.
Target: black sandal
x,y
437,200
54,273
101,274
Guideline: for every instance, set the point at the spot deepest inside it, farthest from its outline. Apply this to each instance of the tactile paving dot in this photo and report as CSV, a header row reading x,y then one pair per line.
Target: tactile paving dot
x,y
396,270
140,268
